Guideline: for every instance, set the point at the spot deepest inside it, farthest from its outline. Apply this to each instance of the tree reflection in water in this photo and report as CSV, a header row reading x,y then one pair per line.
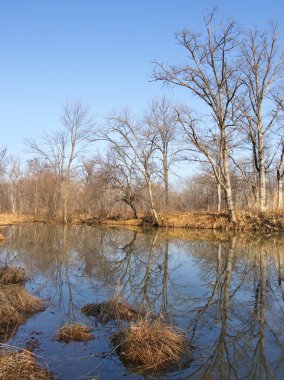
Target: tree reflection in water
x,y
225,290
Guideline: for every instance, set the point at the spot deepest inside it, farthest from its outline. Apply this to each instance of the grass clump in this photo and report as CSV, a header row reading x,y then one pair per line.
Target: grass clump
x,y
21,365
152,346
74,332
2,237
16,303
9,318
12,275
19,298
111,310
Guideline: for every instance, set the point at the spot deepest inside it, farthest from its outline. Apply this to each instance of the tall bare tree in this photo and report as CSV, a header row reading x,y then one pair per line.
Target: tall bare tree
x,y
262,70
211,74
162,118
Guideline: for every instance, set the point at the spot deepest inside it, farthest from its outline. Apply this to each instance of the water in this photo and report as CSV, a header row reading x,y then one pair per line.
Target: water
x,y
224,290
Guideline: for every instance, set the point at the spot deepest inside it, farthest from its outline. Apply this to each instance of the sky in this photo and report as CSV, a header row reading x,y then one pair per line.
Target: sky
x,y
100,52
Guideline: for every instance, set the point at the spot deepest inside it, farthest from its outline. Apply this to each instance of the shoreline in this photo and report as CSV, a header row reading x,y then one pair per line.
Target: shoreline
x,y
270,221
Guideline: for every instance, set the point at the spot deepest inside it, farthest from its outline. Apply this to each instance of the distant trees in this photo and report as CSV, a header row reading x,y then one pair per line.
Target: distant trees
x,y
234,140
61,150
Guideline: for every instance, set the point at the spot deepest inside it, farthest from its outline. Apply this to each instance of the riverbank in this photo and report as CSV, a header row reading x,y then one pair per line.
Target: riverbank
x,y
9,219
265,222
270,221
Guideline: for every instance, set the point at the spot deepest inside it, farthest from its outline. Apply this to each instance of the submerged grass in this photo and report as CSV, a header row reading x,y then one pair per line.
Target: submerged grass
x,y
12,275
74,332
21,365
152,346
111,310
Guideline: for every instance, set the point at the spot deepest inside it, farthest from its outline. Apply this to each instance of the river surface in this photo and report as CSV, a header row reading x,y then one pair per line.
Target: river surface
x,y
225,290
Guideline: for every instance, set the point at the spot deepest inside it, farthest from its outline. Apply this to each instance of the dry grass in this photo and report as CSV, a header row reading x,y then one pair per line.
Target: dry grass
x,y
19,298
152,346
125,222
111,310
8,219
16,303
21,365
2,237
12,275
74,332
272,220
10,318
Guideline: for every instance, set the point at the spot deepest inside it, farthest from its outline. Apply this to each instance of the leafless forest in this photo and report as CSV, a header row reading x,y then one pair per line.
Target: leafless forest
x,y
234,140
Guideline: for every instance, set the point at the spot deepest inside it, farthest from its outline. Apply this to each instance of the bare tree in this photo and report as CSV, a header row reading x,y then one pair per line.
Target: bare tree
x,y
279,177
136,142
15,173
122,176
161,117
60,150
212,75
262,70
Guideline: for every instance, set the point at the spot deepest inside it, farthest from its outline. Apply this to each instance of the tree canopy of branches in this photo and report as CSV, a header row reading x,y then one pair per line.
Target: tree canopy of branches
x,y
212,75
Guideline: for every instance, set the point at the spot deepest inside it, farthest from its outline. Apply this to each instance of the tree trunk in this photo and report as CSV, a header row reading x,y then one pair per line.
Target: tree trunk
x,y
133,207
153,210
262,179
219,199
227,179
166,181
279,177
279,191
65,202
12,199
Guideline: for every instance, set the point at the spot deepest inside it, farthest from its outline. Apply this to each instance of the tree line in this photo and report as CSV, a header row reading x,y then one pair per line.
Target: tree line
x,y
234,139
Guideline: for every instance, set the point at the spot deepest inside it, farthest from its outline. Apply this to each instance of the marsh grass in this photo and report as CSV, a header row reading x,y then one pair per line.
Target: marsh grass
x,y
19,298
74,332
21,365
12,275
152,346
112,310
16,304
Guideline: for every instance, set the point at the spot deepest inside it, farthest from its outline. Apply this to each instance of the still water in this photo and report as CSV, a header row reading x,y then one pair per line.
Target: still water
x,y
224,290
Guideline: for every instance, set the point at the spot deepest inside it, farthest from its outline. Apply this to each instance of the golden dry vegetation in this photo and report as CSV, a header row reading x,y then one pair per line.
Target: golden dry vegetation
x,y
74,332
246,221
111,310
21,365
152,346
8,219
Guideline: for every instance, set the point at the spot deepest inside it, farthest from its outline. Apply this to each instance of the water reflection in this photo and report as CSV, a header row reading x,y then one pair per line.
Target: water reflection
x,y
226,290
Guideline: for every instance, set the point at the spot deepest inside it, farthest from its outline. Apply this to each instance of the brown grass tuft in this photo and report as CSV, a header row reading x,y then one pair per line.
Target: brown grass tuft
x,y
21,365
16,303
74,332
9,318
152,346
12,275
2,237
111,310
19,298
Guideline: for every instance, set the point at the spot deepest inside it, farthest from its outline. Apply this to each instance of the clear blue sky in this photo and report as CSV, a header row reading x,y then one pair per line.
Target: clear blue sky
x,y
98,51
